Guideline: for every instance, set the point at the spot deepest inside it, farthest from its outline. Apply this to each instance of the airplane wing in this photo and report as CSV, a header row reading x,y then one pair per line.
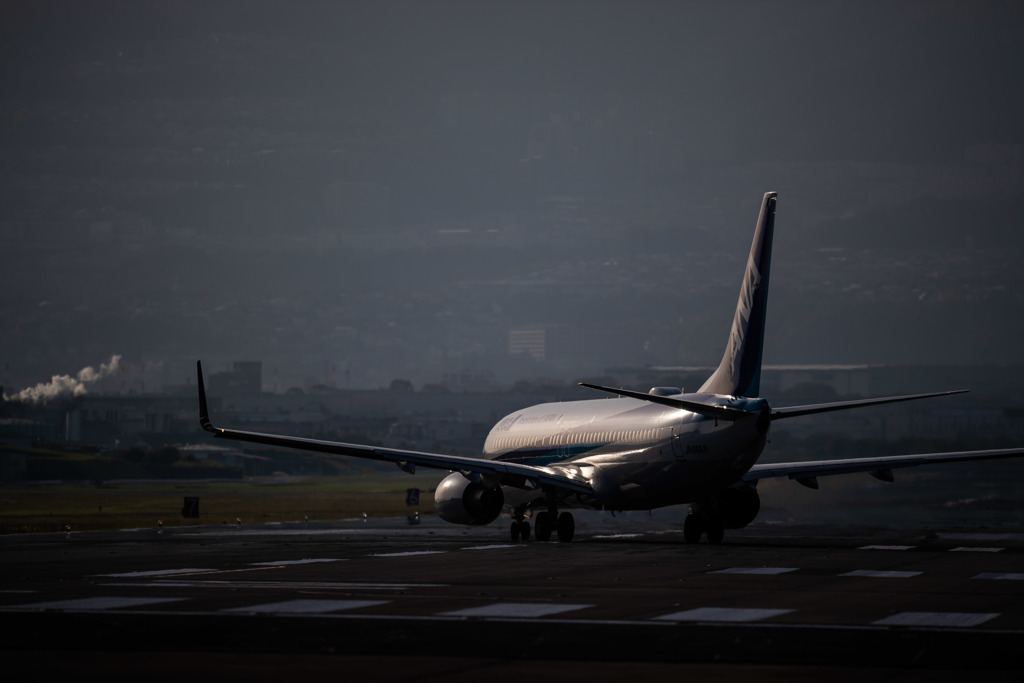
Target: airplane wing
x,y
511,474
879,467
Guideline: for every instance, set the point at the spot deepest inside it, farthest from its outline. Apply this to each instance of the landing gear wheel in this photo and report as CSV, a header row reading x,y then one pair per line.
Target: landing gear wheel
x,y
520,530
716,531
566,527
692,529
542,526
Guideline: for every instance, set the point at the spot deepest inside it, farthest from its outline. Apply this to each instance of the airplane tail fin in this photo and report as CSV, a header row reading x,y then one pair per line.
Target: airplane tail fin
x,y
739,373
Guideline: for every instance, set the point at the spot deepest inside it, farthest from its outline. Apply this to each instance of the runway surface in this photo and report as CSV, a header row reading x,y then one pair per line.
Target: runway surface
x,y
434,601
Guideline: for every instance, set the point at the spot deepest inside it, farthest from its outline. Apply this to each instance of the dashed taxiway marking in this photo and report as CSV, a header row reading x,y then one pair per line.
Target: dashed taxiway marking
x,y
410,553
513,609
881,574
605,536
997,576
158,572
756,570
946,619
305,606
885,547
97,603
284,563
731,614
310,585
975,536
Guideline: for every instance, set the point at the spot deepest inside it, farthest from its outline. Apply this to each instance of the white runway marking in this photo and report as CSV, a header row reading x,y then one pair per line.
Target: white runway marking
x,y
410,553
513,609
881,574
618,536
948,619
996,576
723,614
756,570
299,585
974,536
306,606
885,547
284,563
490,547
99,603
159,572
968,549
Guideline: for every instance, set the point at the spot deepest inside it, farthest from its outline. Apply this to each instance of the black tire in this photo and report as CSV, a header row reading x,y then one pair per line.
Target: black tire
x,y
514,531
524,530
692,529
542,526
566,527
716,532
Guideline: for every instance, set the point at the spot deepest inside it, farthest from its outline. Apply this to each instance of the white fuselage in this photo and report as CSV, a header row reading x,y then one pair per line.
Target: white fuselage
x,y
635,454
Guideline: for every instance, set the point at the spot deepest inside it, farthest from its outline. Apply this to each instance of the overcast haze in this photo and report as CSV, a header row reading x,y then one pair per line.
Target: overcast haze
x,y
355,192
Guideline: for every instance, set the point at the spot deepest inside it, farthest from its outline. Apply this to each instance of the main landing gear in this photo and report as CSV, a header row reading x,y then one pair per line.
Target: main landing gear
x,y
699,522
564,525
545,523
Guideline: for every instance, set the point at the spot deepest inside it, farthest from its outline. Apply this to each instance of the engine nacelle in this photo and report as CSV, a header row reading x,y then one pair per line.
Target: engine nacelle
x,y
738,506
461,501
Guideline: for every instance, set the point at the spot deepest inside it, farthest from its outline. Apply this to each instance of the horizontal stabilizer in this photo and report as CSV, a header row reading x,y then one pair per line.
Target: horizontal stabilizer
x,y
794,411
710,410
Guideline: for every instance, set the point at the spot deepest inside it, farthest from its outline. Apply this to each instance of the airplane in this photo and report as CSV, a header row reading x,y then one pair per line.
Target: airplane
x,y
637,451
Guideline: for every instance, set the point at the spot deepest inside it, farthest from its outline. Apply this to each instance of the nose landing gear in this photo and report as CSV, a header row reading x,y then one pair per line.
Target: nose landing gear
x,y
520,529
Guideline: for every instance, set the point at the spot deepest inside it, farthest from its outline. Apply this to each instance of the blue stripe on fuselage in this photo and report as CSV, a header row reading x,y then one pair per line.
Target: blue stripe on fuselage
x,y
547,455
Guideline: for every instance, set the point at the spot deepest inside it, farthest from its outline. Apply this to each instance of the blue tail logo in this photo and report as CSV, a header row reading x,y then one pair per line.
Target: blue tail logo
x,y
739,373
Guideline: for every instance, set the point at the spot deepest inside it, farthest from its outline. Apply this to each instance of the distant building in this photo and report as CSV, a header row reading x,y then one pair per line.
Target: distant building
x,y
246,377
530,340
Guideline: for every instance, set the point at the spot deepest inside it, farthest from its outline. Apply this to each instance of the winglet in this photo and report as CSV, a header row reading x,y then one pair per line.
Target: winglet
x,y
204,410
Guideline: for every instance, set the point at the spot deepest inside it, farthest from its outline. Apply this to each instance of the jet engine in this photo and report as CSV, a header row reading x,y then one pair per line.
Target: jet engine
x,y
461,501
738,506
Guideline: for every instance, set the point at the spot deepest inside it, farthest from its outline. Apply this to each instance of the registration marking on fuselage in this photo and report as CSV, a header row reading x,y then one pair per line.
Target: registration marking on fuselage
x,y
731,614
882,574
514,609
305,606
756,570
947,619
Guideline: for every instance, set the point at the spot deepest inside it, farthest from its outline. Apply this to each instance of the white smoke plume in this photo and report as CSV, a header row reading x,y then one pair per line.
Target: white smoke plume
x,y
65,385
